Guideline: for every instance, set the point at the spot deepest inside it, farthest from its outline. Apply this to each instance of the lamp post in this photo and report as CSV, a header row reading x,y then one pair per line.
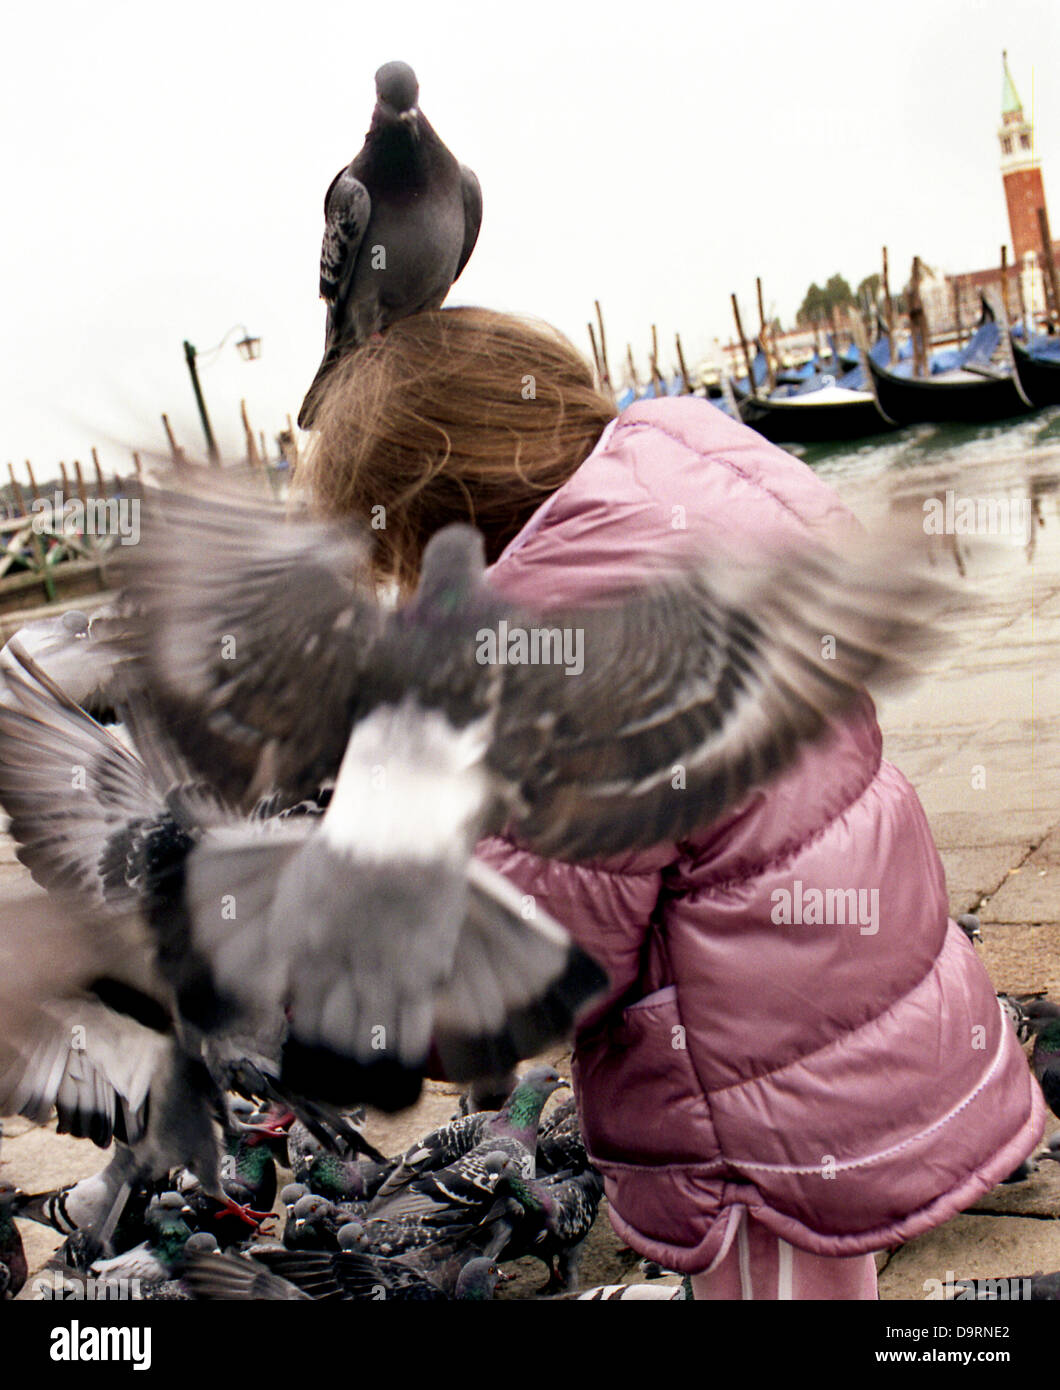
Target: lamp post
x,y
249,350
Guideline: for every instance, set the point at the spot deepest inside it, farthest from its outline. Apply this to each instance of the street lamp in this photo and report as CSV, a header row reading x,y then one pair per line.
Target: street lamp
x,y
249,349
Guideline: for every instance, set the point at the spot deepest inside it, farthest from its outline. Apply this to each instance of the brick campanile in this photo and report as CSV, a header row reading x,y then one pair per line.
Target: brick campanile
x,y
1022,177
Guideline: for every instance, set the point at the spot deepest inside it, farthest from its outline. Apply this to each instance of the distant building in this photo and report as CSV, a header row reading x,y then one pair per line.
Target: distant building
x,y
1021,175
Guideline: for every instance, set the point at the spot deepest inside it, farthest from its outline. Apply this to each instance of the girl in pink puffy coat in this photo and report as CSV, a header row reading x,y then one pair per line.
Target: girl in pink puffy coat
x,y
769,1099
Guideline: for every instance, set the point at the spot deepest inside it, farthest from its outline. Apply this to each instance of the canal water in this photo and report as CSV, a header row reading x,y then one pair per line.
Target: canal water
x,y
987,496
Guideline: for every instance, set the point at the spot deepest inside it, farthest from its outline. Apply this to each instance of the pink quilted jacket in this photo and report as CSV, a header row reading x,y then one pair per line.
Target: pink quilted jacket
x,y
850,1087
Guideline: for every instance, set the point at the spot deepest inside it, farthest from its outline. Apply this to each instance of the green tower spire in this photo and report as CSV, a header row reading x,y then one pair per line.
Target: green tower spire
x,y
1010,101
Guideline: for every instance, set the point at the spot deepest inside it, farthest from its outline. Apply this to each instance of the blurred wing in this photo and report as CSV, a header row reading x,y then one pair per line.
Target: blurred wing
x,y
249,632
95,1066
517,982
694,691
49,958
69,786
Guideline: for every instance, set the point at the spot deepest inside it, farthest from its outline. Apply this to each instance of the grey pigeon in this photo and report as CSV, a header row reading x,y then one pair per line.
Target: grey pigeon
x,y
346,1275
400,223
513,1130
548,1218
276,668
437,1205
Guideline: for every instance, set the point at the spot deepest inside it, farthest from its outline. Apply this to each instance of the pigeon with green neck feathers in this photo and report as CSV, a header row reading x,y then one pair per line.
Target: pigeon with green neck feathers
x,y
513,1129
548,1218
161,1256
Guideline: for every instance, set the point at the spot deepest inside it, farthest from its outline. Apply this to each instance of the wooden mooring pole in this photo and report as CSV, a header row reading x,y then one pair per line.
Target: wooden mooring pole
x,y
746,351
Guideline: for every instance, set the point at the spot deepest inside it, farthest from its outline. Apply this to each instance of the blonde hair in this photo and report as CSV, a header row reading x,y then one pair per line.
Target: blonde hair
x,y
457,414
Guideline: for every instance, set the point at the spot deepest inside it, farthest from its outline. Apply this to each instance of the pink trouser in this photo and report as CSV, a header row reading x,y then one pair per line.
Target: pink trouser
x,y
759,1265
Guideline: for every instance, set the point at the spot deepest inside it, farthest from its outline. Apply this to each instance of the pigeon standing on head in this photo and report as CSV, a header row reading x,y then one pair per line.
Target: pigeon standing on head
x,y
400,223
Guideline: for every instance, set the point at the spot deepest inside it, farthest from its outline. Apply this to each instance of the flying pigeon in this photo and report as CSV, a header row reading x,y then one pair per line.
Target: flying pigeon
x,y
275,669
400,223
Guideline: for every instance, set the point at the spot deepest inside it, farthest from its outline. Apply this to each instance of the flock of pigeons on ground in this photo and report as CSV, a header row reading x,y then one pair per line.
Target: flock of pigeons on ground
x,y
433,1223
249,795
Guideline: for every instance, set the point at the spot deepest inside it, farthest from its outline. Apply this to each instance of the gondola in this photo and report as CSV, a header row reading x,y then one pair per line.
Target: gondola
x,y
973,395
829,414
1038,369
826,410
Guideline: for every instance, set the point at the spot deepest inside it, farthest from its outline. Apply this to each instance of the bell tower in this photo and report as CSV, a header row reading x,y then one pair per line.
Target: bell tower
x,y
1020,173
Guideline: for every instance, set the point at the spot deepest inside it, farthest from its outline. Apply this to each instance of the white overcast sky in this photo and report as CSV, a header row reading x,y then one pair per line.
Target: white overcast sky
x,y
164,166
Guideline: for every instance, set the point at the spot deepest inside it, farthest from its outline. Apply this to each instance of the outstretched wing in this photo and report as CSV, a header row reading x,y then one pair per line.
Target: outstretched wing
x,y
681,697
249,630
71,789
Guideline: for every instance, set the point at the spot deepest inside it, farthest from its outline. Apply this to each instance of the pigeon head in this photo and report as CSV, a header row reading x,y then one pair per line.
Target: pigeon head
x,y
352,1236
453,565
396,88
478,1279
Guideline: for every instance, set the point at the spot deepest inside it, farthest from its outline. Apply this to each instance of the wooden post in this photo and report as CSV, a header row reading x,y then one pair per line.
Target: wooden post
x,y
656,374
689,388
100,480
32,481
80,486
66,480
264,447
596,353
766,337
746,351
20,501
1052,285
252,449
174,448
138,465
294,443
606,370
955,286
1004,280
632,370
892,327
917,322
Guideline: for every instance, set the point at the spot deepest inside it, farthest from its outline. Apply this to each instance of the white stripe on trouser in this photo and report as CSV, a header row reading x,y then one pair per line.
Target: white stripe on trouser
x,y
785,1255
743,1247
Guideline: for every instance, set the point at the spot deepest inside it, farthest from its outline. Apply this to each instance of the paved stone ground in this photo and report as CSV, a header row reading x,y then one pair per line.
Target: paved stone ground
x,y
980,739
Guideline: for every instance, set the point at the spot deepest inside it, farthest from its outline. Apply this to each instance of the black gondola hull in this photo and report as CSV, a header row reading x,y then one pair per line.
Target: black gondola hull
x,y
935,401
1039,377
826,422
